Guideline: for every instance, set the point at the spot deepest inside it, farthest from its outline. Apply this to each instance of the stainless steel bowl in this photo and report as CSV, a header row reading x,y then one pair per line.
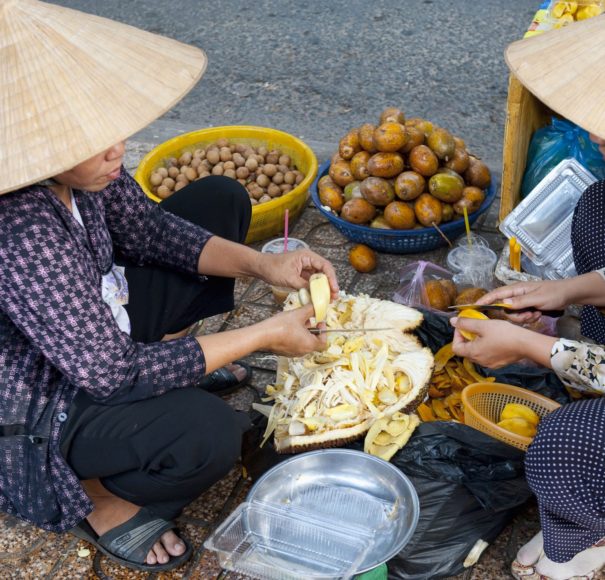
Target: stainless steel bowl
x,y
347,488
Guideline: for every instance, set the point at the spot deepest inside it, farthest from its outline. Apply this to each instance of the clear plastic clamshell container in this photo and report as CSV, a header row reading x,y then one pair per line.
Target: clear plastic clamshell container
x,y
270,542
542,221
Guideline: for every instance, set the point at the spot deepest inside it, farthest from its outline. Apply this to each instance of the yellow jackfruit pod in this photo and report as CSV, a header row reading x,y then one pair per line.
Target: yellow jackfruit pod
x,y
518,426
470,313
558,10
304,296
512,410
588,11
319,287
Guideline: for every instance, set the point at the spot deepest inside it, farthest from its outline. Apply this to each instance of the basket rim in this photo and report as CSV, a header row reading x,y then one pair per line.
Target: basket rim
x,y
306,151
402,234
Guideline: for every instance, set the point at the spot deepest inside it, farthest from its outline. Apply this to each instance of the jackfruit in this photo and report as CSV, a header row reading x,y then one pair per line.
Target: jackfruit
x,y
512,410
319,288
518,426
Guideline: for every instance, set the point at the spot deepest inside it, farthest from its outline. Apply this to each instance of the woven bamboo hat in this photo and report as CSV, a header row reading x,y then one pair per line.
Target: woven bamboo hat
x,y
72,85
565,69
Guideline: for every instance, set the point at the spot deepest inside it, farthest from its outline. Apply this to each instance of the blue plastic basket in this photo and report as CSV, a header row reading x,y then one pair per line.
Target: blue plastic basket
x,y
398,241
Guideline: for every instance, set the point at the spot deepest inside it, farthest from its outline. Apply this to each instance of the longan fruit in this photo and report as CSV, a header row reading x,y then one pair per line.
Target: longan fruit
x,y
213,156
185,158
299,177
269,169
173,161
229,173
200,153
283,168
163,191
240,147
264,199
173,172
273,190
242,182
195,162
169,183
289,178
285,160
253,201
180,185
242,173
222,142
285,188
191,174
218,169
205,164
262,151
181,177
272,157
251,164
225,154
203,174
162,171
278,178
155,179
183,169
263,180
238,159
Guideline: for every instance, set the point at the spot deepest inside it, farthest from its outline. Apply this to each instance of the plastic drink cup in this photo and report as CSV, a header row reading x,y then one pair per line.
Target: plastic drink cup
x,y
473,265
276,246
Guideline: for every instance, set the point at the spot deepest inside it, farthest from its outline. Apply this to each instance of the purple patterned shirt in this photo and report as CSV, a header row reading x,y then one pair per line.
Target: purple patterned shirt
x,y
57,335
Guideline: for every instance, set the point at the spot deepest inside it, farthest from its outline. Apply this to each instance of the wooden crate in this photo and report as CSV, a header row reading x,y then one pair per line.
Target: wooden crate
x,y
524,114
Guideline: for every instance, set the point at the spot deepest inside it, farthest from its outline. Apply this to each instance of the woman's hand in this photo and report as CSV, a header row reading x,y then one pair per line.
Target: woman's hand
x,y
293,269
499,343
288,333
544,295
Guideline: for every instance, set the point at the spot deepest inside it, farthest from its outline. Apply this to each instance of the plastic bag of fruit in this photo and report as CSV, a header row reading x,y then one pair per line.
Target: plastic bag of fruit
x,y
427,285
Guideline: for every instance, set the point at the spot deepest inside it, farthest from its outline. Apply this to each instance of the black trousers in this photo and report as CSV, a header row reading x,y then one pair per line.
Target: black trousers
x,y
162,453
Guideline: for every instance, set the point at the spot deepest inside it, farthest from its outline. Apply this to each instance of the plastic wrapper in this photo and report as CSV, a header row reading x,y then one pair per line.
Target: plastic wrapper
x,y
555,142
412,288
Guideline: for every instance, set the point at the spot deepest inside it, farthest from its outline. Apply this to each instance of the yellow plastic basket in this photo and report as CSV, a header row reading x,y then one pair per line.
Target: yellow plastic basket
x,y
267,218
483,403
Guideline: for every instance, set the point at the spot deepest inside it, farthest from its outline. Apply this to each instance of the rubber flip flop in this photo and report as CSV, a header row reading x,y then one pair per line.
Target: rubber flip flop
x,y
223,382
129,543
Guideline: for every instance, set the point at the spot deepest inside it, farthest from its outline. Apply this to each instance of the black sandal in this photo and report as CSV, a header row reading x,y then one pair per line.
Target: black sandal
x,y
129,543
223,382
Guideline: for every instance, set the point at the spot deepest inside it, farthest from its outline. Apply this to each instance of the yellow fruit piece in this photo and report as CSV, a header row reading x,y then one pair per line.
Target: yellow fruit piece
x,y
304,296
518,426
558,9
512,410
589,11
443,356
319,287
571,7
470,313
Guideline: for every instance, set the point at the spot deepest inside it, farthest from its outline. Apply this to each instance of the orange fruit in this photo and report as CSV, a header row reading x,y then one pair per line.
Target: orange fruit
x,y
362,258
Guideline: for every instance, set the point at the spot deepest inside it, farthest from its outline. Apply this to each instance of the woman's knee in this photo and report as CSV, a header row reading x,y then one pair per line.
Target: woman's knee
x,y
210,431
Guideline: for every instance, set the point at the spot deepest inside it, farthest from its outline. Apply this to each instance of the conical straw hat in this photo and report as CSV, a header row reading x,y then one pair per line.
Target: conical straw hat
x,y
565,69
72,85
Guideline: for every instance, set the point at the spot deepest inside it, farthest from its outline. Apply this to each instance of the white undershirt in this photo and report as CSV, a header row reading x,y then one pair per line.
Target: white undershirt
x,y
114,286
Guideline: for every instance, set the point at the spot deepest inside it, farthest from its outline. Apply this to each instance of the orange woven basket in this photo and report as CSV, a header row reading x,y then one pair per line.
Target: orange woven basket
x,y
483,403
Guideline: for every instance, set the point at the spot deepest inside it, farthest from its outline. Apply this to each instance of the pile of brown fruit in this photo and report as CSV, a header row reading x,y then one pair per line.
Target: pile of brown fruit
x,y
403,174
266,174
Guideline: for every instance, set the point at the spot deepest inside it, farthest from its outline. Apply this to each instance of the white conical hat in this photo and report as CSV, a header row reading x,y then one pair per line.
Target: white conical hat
x,y
565,69
72,85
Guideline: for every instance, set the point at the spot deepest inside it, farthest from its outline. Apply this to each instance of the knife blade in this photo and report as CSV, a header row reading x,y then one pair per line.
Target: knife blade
x,y
324,330
508,308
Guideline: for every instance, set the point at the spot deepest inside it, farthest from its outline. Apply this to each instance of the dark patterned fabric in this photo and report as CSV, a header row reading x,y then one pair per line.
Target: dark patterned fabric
x,y
588,243
57,335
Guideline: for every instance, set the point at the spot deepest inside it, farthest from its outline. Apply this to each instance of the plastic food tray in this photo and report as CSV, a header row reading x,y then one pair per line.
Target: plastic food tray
x,y
542,221
284,543
399,241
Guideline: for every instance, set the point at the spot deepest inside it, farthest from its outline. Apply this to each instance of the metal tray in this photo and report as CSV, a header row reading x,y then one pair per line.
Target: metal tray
x,y
542,221
350,489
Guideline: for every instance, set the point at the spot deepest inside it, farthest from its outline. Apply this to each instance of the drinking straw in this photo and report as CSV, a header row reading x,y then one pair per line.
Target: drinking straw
x,y
286,231
467,226
511,252
442,234
517,256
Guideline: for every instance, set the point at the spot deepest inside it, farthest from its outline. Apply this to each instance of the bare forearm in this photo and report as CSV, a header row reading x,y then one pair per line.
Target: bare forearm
x,y
585,289
536,347
225,347
222,257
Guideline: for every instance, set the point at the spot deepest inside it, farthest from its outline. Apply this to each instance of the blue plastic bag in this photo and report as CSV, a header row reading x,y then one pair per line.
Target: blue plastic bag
x,y
555,142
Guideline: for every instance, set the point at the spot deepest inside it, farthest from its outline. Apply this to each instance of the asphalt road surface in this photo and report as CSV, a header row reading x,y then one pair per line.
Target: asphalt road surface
x,y
316,68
